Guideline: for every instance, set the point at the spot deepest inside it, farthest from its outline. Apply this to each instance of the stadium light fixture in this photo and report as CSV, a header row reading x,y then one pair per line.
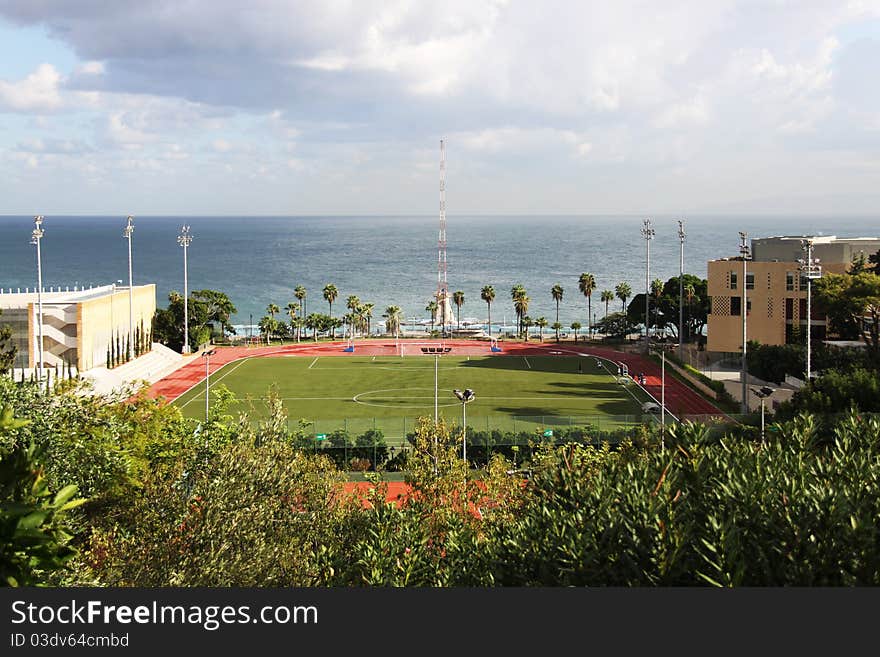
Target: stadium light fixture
x,y
207,356
464,397
762,393
36,236
648,233
745,254
184,240
126,233
810,269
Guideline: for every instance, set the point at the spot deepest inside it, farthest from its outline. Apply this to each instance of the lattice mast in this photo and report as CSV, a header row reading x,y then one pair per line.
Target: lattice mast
x,y
444,304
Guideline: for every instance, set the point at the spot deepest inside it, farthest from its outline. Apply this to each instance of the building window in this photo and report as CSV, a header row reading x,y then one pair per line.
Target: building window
x,y
802,308
789,308
735,305
789,281
750,281
733,280
803,282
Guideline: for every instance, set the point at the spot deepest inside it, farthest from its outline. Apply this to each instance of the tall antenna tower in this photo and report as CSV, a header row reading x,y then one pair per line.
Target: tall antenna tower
x,y
444,305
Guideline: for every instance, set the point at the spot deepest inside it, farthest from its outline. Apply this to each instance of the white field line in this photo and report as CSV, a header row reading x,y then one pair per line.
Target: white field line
x,y
527,362
225,374
313,362
373,358
624,387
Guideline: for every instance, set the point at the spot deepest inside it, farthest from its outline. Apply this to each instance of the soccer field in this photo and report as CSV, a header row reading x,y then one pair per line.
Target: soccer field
x,y
390,392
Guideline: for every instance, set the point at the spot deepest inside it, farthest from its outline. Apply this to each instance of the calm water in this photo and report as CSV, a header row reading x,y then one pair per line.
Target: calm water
x,y
386,260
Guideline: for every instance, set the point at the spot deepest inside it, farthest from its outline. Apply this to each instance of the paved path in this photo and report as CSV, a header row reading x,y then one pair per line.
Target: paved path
x,y
681,400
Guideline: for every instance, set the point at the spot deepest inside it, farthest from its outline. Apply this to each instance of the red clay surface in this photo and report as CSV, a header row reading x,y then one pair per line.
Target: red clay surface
x,y
681,400
396,491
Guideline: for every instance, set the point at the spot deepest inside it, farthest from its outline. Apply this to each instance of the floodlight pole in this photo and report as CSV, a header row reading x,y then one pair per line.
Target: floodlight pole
x,y
207,356
762,420
648,233
662,394
184,240
464,431
436,370
744,252
36,236
126,233
681,236
810,270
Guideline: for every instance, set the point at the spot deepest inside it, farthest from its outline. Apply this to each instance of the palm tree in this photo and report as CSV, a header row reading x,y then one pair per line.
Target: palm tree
x,y
432,308
487,294
517,294
292,309
575,326
313,322
330,294
392,317
607,296
272,310
367,313
268,325
352,303
541,323
527,322
556,292
458,300
656,292
586,284
689,293
300,293
623,292
556,326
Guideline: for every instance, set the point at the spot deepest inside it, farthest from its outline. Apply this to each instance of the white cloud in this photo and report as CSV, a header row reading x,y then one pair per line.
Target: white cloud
x,y
38,92
91,68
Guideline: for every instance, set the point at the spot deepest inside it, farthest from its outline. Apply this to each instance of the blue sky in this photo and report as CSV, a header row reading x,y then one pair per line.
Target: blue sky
x,y
273,107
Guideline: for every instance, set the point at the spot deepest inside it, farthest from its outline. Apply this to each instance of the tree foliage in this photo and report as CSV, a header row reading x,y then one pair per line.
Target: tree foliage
x,y
204,309
7,348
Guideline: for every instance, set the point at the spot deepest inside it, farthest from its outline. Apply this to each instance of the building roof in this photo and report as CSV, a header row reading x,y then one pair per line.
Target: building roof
x,y
12,299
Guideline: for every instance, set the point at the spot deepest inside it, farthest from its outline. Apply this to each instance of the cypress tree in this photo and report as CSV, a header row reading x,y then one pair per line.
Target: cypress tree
x,y
109,365
127,348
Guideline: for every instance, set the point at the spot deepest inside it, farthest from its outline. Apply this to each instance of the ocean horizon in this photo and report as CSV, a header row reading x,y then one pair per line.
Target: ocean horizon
x,y
389,259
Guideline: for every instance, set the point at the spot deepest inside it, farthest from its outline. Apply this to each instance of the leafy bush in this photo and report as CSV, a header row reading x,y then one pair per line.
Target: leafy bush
x,y
34,537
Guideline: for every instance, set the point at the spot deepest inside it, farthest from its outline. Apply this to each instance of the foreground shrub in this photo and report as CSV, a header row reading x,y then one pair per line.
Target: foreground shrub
x,y
253,516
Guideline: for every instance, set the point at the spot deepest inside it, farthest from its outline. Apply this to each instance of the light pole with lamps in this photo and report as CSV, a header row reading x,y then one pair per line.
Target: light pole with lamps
x,y
207,356
184,239
36,236
126,233
810,269
681,236
744,253
763,392
464,396
648,233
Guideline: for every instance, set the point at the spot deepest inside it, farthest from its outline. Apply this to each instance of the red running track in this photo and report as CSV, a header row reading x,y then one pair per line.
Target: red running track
x,y
681,400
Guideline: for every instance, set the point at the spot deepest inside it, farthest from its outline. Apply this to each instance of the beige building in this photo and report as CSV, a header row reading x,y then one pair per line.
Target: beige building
x,y
79,325
776,292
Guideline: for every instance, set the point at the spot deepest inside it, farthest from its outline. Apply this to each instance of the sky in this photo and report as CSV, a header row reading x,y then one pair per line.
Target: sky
x,y
273,107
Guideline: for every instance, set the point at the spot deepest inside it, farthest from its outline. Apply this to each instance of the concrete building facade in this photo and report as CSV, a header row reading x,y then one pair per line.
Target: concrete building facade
x,y
78,326
776,292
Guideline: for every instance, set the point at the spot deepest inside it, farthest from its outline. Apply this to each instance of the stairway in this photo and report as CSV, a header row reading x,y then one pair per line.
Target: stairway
x,y
152,366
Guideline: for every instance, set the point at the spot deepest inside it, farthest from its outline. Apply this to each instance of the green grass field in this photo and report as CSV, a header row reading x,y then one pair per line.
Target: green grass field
x,y
358,393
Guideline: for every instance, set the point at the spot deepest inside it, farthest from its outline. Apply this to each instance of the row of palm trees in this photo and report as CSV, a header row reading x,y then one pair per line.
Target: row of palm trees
x,y
359,315
358,319
520,299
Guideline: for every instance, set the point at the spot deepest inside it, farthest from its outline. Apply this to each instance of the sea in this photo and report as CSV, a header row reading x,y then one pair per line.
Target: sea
x,y
388,260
